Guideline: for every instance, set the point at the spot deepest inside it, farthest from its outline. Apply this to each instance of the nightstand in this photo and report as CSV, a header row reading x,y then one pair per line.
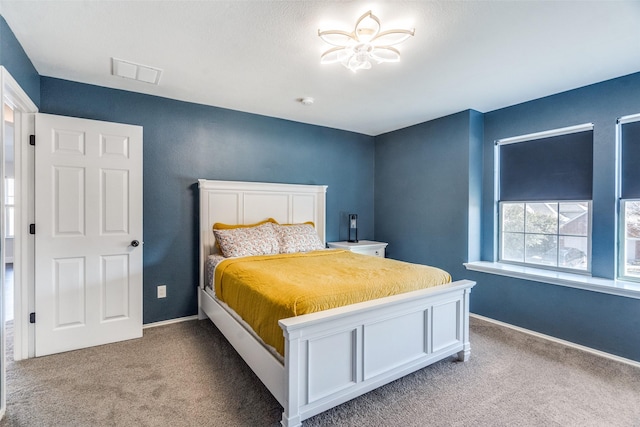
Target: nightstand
x,y
365,247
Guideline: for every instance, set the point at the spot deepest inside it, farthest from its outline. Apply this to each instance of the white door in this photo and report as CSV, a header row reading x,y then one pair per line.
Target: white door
x,y
88,241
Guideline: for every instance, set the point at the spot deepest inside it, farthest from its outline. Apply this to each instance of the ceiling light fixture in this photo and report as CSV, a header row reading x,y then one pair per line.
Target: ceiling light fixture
x,y
365,44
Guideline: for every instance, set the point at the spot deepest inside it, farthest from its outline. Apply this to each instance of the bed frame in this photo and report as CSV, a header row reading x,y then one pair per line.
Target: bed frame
x,y
338,354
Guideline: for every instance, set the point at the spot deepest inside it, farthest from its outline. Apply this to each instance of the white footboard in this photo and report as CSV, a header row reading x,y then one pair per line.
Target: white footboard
x,y
336,355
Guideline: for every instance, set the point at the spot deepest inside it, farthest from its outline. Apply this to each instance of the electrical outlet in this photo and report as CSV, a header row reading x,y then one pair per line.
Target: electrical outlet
x,y
162,291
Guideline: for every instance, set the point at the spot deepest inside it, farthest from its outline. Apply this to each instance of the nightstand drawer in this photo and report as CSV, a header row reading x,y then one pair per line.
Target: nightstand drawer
x,y
364,247
373,252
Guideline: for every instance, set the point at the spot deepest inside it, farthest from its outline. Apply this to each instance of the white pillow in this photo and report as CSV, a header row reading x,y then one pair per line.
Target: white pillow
x,y
297,238
248,241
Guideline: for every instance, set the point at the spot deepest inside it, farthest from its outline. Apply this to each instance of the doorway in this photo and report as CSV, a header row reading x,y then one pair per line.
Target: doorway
x,y
9,221
16,123
9,214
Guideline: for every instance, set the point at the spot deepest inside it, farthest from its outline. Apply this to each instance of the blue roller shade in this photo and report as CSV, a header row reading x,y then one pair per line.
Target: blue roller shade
x,y
630,160
554,168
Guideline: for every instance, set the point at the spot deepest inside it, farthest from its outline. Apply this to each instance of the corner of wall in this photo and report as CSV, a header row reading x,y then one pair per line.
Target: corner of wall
x,y
474,231
18,64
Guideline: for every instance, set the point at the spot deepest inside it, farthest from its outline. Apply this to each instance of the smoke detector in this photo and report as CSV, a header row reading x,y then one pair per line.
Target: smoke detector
x,y
307,100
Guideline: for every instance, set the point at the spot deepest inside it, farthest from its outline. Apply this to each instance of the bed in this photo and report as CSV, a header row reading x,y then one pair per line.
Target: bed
x,y
331,356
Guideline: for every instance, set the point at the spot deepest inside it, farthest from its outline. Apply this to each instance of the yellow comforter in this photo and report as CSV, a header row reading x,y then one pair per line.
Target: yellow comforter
x,y
264,289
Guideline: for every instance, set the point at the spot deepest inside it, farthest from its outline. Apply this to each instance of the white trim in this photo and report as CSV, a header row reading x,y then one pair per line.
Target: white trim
x,y
16,97
170,321
560,341
580,281
24,245
620,223
23,107
496,200
629,119
545,134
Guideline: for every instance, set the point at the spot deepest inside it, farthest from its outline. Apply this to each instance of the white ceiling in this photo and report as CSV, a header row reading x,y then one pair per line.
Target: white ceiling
x,y
262,56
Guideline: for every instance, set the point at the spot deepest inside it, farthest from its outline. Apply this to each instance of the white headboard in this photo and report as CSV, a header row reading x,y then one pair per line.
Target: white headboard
x,y
236,202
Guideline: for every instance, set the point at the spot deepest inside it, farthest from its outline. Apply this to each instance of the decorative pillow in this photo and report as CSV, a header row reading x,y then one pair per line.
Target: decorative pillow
x,y
297,238
223,226
248,241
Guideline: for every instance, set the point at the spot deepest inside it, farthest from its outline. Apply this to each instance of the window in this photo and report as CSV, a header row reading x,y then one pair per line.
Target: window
x,y
629,154
544,187
9,206
554,234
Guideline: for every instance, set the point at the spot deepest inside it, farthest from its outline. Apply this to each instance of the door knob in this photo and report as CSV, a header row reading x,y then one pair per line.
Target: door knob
x,y
135,243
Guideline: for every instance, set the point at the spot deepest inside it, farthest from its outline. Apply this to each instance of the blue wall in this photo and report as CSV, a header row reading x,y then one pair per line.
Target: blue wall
x,y
605,322
17,63
600,104
184,142
427,185
426,195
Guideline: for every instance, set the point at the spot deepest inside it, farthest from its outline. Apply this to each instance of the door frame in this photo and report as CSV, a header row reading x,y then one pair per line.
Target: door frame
x,y
24,285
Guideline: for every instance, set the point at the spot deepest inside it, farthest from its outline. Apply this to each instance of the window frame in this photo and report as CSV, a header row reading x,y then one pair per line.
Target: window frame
x,y
621,270
497,202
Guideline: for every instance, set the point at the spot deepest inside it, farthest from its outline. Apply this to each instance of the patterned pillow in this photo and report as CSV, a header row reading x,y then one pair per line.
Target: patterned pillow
x,y
223,226
297,238
248,241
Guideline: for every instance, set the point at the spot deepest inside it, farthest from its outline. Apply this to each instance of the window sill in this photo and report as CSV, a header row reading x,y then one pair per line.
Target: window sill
x,y
607,286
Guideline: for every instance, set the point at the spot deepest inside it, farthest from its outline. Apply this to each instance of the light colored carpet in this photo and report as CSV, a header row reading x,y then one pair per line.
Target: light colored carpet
x,y
186,374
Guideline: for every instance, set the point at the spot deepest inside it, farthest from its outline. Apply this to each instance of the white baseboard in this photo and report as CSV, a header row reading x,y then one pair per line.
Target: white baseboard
x,y
559,341
170,321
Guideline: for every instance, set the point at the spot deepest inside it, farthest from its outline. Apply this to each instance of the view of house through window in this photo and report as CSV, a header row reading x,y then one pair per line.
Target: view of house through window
x,y
554,234
631,215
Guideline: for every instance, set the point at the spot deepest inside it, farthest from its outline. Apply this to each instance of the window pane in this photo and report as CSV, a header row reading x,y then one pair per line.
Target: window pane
x,y
632,219
9,191
9,221
574,218
632,263
541,249
513,247
632,238
542,218
554,234
513,217
572,252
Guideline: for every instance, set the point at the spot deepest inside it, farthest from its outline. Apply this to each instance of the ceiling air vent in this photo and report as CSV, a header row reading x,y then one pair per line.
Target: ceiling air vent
x,y
131,70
